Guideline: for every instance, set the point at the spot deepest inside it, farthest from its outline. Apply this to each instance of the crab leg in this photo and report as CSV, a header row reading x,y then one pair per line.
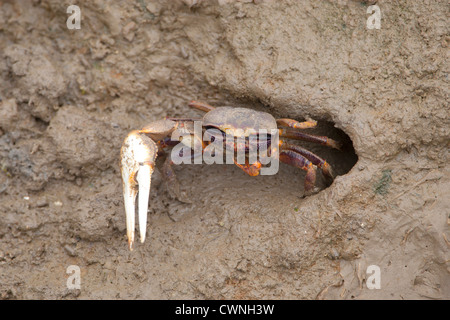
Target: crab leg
x,y
297,160
296,124
297,135
201,106
316,160
250,169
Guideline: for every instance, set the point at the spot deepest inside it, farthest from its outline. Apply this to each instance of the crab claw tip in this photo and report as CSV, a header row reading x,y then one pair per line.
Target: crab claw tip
x,y
144,179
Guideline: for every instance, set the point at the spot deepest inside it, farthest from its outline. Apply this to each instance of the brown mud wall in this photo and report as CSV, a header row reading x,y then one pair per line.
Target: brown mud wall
x,y
69,97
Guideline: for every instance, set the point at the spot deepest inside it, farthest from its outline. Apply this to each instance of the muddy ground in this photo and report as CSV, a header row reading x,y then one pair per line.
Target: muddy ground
x,y
69,97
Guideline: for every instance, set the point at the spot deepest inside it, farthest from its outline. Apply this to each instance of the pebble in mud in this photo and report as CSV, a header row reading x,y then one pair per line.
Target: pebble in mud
x,y
70,250
128,31
40,203
9,114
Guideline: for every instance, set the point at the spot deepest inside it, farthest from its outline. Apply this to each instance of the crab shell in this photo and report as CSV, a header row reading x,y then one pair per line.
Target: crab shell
x,y
240,122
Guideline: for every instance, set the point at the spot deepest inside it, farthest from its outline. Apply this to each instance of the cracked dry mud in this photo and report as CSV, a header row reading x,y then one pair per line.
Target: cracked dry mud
x,y
69,97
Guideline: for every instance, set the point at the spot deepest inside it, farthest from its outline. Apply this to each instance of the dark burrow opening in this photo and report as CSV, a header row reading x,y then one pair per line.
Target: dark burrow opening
x,y
342,161
288,178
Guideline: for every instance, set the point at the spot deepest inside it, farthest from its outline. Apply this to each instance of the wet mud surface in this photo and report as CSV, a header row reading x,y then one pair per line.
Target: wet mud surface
x,y
69,98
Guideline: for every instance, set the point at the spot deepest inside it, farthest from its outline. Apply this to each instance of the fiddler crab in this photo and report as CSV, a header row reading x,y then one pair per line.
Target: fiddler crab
x,y
141,148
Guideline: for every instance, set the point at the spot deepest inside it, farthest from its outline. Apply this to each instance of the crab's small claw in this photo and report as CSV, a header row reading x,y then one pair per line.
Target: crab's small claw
x,y
138,155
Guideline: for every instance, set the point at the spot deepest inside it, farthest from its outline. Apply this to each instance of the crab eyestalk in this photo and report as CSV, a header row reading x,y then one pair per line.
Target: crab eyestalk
x,y
138,155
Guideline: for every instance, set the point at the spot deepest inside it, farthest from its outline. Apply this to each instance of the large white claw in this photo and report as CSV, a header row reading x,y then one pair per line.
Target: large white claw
x,y
138,155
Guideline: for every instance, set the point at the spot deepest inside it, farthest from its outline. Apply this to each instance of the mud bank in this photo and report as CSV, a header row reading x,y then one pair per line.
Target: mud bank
x,y
69,97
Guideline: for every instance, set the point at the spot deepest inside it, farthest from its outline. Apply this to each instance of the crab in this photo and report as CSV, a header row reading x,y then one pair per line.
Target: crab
x,y
141,148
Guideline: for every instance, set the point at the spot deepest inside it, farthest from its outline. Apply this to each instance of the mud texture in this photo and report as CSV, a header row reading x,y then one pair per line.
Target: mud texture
x,y
69,97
